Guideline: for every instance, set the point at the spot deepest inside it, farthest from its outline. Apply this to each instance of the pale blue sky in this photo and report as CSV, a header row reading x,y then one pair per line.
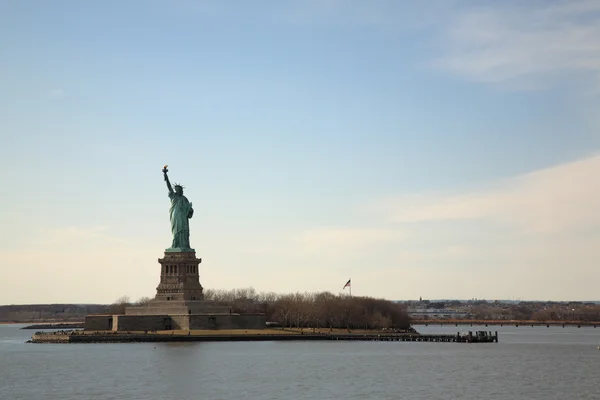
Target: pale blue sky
x,y
437,149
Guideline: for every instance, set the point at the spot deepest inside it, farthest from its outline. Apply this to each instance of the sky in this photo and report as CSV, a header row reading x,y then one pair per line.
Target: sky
x,y
439,149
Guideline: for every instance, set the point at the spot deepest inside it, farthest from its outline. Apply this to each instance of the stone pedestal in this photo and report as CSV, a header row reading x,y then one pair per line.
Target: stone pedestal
x,y
179,277
179,291
179,303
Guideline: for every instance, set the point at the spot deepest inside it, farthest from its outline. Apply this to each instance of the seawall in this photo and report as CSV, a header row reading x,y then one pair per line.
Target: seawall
x,y
119,337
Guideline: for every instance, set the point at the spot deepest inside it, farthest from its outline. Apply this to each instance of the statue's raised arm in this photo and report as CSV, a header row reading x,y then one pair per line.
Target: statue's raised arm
x,y
165,170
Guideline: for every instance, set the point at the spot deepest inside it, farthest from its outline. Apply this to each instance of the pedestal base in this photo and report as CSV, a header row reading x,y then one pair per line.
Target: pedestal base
x,y
179,277
179,250
178,305
163,322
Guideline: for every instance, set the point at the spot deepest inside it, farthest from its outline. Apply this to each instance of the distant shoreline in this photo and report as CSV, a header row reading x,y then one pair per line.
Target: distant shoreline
x,y
56,325
486,322
44,325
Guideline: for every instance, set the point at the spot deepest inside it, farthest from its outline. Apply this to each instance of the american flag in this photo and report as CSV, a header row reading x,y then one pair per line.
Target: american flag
x,y
347,284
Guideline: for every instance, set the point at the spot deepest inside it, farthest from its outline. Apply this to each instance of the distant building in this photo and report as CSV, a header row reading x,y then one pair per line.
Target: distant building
x,y
425,313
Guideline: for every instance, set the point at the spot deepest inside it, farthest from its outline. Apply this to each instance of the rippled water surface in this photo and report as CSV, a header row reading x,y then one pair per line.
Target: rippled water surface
x,y
528,363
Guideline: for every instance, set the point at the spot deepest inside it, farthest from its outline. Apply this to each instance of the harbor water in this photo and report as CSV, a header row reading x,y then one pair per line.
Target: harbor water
x,y
528,363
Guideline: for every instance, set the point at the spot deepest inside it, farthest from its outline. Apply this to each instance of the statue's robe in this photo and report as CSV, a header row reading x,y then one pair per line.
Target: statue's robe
x,y
181,211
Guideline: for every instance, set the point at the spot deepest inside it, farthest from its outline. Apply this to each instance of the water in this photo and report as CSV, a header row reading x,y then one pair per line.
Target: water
x,y
528,363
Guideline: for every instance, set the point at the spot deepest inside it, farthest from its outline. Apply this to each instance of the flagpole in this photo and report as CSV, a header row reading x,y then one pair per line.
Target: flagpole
x,y
350,287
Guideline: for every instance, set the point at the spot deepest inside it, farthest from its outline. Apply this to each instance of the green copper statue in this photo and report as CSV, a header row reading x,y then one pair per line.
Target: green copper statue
x,y
181,211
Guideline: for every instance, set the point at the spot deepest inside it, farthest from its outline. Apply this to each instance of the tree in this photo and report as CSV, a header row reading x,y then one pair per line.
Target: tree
x,y
142,301
118,307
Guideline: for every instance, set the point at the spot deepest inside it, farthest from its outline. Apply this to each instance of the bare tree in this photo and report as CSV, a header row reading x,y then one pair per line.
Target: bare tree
x,y
142,301
118,307
314,310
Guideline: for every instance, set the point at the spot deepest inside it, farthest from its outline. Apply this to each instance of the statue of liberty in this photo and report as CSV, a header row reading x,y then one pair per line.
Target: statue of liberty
x,y
180,213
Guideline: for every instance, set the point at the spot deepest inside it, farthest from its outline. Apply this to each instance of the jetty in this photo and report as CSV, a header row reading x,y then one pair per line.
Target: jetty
x,y
78,336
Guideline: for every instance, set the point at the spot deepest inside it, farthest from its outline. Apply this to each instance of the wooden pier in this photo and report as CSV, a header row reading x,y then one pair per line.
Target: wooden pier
x,y
470,337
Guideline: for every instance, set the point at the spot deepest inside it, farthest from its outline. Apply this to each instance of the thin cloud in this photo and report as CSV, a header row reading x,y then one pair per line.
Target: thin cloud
x,y
562,199
525,42
347,237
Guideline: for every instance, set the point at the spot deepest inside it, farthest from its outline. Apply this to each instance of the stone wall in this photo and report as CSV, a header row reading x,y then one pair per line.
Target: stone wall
x,y
180,322
227,321
124,323
143,323
98,323
175,307
50,338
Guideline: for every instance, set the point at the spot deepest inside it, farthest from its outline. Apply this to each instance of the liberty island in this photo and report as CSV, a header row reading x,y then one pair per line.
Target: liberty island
x,y
180,309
